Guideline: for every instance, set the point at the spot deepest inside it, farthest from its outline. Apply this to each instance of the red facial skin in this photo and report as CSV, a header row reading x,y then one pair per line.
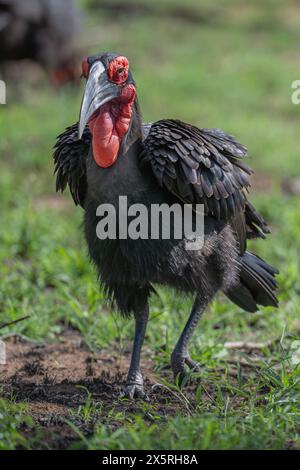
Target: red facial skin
x,y
118,70
111,122
109,125
85,68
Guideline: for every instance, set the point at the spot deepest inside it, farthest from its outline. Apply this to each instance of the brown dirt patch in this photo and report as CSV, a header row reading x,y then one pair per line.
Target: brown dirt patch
x,y
55,380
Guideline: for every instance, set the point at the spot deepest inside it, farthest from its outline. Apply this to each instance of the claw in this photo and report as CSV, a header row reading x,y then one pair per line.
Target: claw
x,y
134,390
178,363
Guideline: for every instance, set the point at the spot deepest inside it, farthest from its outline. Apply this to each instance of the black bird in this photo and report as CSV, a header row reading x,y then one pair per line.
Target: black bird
x,y
43,31
111,153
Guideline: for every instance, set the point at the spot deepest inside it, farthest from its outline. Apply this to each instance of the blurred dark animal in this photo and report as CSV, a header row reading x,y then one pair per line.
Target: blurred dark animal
x,y
43,31
111,153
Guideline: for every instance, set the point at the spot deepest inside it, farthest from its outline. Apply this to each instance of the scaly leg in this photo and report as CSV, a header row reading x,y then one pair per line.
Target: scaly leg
x,y
180,355
135,384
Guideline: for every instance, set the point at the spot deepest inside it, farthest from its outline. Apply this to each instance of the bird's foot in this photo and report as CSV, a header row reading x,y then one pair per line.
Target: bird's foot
x,y
133,391
178,363
134,387
178,367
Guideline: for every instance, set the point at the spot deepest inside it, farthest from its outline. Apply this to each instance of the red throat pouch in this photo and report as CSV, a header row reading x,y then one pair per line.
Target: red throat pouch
x,y
109,126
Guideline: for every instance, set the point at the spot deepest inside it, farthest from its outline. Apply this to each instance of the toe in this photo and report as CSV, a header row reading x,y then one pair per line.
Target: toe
x,y
180,374
194,366
133,391
178,367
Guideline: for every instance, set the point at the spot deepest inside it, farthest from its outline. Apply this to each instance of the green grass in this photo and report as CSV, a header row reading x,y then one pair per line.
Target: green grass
x,y
12,420
233,72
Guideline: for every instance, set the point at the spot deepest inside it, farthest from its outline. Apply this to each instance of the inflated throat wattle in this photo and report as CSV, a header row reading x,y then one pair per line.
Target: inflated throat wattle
x,y
108,127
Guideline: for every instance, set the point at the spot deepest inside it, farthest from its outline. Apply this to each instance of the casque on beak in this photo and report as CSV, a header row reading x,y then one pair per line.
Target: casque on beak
x,y
98,91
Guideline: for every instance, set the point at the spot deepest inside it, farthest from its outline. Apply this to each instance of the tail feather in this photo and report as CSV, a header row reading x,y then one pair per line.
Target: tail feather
x,y
257,227
257,284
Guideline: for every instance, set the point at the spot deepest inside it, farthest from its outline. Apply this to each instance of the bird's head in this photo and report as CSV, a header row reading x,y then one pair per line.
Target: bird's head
x,y
107,105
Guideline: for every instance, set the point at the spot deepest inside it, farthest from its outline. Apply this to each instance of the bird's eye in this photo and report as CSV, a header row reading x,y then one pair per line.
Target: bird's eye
x,y
117,70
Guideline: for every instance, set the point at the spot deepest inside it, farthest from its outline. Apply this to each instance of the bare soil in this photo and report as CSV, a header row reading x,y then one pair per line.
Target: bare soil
x,y
55,380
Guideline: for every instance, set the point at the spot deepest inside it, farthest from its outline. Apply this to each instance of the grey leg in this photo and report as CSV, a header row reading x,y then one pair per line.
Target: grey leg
x,y
135,383
180,355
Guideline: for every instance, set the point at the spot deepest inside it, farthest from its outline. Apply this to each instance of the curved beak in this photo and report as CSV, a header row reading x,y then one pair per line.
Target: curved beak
x,y
98,91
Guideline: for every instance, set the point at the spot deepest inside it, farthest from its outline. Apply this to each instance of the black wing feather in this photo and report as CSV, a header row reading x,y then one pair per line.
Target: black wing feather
x,y
204,166
70,156
208,158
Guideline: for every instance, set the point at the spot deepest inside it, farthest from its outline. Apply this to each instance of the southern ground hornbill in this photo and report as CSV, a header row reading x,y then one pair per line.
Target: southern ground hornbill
x,y
43,31
109,153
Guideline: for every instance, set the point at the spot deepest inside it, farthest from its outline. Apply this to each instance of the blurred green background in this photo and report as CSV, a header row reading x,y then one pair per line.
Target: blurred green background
x,y
227,64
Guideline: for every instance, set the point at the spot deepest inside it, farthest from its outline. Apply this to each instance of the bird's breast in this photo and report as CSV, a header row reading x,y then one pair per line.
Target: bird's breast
x,y
124,178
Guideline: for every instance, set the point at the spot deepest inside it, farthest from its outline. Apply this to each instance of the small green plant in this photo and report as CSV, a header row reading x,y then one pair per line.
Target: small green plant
x,y
13,418
89,411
